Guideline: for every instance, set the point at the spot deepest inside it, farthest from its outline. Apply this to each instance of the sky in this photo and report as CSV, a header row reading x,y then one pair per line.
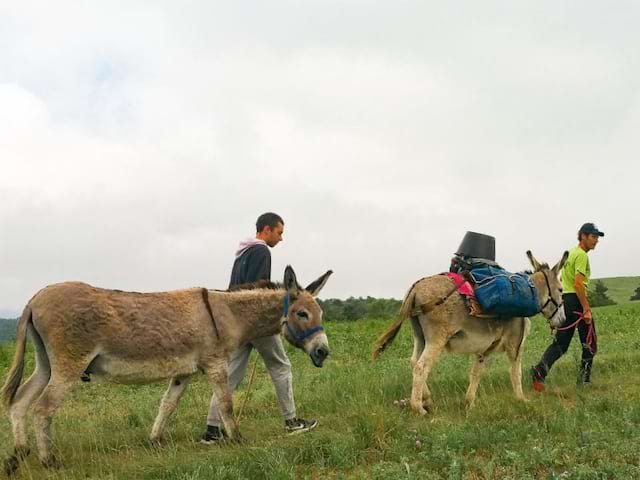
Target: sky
x,y
139,141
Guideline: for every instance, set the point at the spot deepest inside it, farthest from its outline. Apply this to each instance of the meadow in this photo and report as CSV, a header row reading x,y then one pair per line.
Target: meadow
x,y
567,432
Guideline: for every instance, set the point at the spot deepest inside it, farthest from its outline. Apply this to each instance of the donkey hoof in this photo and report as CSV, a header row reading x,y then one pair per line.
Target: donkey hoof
x,y
428,405
419,409
52,463
11,464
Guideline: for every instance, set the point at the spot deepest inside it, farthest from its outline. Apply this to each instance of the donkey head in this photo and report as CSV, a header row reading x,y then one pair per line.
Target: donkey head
x,y
302,325
549,289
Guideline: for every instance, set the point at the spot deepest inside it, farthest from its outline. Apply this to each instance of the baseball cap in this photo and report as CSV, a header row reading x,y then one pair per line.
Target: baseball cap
x,y
591,229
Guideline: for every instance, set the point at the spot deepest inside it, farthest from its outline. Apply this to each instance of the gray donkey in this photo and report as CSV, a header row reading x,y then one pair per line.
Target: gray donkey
x,y
441,321
136,338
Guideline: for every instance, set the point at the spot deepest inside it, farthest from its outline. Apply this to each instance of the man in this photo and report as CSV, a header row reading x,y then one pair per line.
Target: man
x,y
253,263
575,281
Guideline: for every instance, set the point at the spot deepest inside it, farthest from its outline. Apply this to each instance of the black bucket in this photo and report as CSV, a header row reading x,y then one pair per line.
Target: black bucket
x,y
478,245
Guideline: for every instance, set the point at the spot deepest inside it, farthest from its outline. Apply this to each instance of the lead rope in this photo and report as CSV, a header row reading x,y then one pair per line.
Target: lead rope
x,y
590,332
249,385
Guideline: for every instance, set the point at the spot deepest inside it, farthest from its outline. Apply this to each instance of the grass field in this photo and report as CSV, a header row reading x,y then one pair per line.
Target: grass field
x,y
568,432
621,288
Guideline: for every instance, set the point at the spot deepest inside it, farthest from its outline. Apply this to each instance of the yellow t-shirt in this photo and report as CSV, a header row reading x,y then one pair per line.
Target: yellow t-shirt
x,y
578,262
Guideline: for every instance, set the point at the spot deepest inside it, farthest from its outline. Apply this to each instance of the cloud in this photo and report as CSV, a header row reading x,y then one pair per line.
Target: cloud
x,y
136,149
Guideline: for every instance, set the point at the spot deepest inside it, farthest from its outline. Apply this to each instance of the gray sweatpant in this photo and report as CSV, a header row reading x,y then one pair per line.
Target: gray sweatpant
x,y
278,365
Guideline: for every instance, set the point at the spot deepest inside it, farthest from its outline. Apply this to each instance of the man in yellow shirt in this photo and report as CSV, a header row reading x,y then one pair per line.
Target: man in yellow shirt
x,y
575,281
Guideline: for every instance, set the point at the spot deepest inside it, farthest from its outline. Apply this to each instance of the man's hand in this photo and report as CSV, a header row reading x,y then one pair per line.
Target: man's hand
x,y
581,292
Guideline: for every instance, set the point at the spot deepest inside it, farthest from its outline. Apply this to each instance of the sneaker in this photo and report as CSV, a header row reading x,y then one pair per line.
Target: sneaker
x,y
299,425
213,435
537,379
584,377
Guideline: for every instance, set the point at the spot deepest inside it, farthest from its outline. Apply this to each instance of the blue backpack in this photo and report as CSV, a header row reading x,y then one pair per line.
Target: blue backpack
x,y
505,294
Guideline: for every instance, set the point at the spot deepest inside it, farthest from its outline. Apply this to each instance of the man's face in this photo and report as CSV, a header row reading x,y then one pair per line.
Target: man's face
x,y
273,236
590,241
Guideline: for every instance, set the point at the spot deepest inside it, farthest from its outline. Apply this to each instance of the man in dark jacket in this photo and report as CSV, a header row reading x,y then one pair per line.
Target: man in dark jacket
x,y
253,263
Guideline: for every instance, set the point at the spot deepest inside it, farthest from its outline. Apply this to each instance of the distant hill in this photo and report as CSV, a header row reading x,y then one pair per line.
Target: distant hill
x,y
8,329
620,288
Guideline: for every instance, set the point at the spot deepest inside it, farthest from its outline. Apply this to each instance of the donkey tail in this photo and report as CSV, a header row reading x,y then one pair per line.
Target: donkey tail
x,y
390,333
14,378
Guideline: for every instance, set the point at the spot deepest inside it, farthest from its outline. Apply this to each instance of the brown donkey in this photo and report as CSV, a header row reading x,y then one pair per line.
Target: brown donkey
x,y
140,338
446,325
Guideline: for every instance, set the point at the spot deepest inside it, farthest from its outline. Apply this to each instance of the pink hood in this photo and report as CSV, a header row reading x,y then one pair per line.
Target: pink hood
x,y
248,243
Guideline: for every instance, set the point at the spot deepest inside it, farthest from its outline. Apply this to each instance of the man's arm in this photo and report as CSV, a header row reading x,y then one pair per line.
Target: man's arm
x,y
259,265
581,292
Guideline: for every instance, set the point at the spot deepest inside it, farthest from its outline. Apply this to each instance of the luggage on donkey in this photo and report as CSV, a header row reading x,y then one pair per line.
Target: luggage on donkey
x,y
498,292
503,293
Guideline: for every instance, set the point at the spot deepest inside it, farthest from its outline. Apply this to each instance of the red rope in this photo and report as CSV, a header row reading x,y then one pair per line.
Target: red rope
x,y
591,334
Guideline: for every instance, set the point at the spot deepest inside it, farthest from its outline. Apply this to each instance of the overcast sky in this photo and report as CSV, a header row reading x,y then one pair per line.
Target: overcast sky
x,y
139,141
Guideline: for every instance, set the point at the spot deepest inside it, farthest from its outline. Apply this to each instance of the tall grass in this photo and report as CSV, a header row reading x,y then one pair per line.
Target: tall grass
x,y
567,432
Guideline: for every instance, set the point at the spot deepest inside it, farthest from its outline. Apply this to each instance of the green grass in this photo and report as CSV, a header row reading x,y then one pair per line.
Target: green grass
x,y
565,433
621,288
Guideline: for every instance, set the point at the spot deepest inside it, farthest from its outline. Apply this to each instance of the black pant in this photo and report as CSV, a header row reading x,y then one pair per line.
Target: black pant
x,y
562,339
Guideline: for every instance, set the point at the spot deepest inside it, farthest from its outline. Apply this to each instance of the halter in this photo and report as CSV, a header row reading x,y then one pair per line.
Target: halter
x,y
550,299
299,337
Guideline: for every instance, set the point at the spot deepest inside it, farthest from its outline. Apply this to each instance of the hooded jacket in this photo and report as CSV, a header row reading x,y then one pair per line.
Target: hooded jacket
x,y
253,262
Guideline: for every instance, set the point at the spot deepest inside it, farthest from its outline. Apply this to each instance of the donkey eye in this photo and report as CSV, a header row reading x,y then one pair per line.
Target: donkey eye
x,y
302,314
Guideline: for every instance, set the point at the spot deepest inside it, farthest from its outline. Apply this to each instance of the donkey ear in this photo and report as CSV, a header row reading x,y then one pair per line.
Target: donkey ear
x,y
558,266
290,281
314,287
534,263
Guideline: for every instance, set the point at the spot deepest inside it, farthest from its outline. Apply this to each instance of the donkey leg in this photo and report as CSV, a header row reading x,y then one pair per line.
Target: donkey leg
x,y
45,407
25,396
515,371
418,341
515,351
168,404
224,396
474,381
18,415
421,401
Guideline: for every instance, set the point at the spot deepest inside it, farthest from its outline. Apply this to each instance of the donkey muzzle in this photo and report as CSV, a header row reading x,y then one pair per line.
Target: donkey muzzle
x,y
318,355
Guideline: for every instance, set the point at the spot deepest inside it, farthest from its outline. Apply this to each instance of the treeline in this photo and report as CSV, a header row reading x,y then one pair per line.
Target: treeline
x,y
359,308
8,329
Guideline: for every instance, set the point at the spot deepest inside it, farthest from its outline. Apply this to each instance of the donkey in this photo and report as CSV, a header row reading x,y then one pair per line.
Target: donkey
x,y
441,321
137,338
